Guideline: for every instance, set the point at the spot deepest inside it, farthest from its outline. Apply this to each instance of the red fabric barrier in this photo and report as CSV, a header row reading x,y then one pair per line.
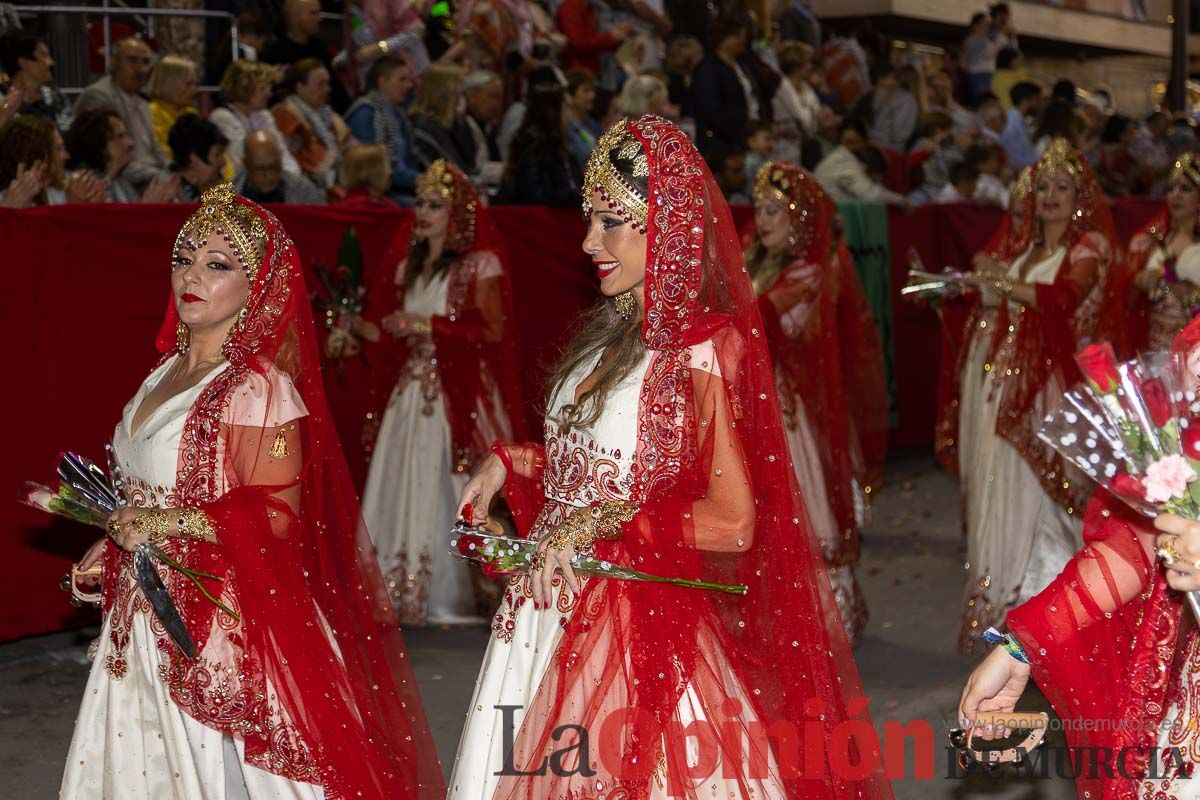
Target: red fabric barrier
x,y
87,284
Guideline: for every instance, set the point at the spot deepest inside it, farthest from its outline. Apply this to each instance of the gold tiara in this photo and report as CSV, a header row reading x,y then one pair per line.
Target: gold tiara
x,y
437,180
237,223
1023,183
772,183
603,176
1186,167
1062,156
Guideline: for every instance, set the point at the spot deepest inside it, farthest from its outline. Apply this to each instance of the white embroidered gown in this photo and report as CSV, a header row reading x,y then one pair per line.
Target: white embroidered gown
x,y
524,639
131,741
1018,537
408,503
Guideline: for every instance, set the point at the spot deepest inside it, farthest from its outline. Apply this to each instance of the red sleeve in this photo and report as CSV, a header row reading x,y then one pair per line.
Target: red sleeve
x,y
578,23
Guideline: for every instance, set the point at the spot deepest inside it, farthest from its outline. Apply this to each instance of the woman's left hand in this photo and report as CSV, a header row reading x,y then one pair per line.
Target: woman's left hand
x,y
542,580
123,532
1180,537
401,324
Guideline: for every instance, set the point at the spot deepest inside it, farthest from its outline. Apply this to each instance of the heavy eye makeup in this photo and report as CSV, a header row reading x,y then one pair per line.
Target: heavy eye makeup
x,y
610,221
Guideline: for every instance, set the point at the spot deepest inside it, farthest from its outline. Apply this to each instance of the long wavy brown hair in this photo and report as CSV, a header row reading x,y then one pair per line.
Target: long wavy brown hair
x,y
601,333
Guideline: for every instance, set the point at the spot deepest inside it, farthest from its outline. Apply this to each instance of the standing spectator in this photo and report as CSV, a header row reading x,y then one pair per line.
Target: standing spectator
x,y
1010,70
684,54
121,91
541,171
585,41
511,122
438,130
264,180
845,176
723,97
301,21
198,155
692,18
99,143
796,107
582,130
314,133
798,23
991,120
172,89
1026,100
1059,121
366,177
939,95
893,110
26,60
484,93
378,118
1001,30
246,89
253,33
989,189
979,58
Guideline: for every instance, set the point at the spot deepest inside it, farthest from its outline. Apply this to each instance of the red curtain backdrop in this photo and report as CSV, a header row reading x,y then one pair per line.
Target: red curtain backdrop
x,y
87,286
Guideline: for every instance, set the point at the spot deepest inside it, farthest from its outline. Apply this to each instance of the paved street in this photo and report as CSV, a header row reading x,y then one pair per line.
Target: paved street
x,y
911,573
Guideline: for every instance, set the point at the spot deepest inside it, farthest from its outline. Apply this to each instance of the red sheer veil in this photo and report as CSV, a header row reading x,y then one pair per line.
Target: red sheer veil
x,y
706,431
475,341
841,344
314,677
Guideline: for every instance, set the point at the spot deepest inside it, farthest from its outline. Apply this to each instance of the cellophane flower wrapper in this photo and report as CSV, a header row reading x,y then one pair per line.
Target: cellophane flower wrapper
x,y
925,285
1134,428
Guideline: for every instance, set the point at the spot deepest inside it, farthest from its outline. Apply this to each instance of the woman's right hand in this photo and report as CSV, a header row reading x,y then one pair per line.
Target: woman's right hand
x,y
91,559
482,488
994,686
987,265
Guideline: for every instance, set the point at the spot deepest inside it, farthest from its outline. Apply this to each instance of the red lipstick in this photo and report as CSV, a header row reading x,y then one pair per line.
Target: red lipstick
x,y
605,268
191,298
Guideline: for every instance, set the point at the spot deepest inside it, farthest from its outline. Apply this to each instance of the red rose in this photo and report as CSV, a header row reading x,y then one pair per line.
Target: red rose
x,y
1129,486
1099,365
491,569
1190,440
470,544
1155,396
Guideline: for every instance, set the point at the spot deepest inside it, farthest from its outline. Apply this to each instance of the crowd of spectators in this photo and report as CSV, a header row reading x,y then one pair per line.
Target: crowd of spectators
x,y
516,93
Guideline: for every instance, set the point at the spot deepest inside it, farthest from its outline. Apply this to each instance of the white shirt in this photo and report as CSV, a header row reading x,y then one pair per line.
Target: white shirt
x,y
236,126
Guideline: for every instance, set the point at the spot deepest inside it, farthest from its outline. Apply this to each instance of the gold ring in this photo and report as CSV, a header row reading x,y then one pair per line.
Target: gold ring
x,y
1170,555
114,527
537,561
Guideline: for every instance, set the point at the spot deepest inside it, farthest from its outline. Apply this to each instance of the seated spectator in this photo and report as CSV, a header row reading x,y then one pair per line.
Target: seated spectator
x,y
541,171
100,144
937,141
645,94
684,54
796,106
121,92
1010,71
729,170
484,93
760,144
723,96
33,167
246,89
378,118
198,155
511,122
253,33
1017,140
989,189
438,129
991,120
893,108
582,128
845,174
25,60
961,186
366,177
939,93
586,43
1064,91
314,133
264,180
172,92
301,22
1060,120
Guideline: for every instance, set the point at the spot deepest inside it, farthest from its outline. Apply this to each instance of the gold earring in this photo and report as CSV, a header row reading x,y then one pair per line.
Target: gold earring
x,y
626,305
183,337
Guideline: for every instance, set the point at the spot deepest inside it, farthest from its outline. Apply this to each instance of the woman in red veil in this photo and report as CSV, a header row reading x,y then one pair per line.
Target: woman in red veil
x,y
1039,298
228,460
829,362
1110,644
444,386
664,450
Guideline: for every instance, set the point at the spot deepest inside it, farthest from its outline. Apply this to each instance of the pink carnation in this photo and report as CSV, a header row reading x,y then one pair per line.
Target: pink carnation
x,y
1168,478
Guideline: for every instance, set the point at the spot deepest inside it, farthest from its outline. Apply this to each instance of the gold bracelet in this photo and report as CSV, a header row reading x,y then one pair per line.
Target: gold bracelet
x,y
155,524
421,327
585,526
195,524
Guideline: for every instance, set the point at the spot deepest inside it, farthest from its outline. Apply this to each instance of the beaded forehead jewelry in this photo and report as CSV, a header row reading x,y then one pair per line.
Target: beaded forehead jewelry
x,y
603,176
237,223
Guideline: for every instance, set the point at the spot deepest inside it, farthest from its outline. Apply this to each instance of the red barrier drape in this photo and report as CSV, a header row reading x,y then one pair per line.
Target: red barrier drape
x,y
86,287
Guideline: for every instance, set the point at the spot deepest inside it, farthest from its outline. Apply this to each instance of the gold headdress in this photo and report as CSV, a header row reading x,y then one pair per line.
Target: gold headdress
x,y
437,180
1023,183
1186,166
237,223
1061,155
773,183
604,177
446,182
